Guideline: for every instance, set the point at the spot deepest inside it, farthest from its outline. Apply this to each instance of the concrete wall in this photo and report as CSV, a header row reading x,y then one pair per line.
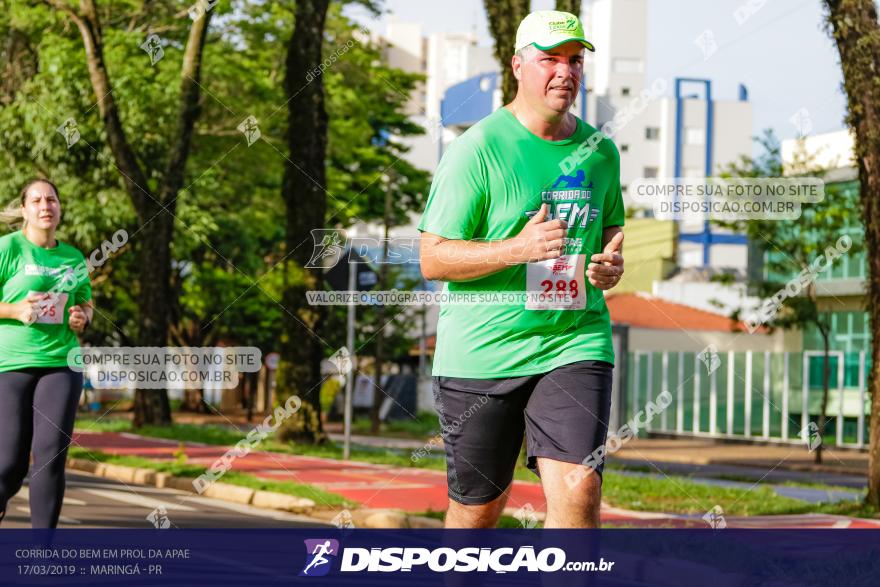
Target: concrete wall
x,y
829,150
733,132
452,58
701,294
404,49
649,249
649,339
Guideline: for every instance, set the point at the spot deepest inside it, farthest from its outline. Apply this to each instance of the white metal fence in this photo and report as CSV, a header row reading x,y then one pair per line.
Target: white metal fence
x,y
765,396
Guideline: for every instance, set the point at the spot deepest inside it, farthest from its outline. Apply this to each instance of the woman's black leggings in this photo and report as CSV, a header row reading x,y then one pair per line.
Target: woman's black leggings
x,y
37,412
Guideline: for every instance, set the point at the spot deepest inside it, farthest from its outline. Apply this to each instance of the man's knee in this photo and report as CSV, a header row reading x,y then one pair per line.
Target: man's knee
x,y
496,504
570,484
483,515
576,506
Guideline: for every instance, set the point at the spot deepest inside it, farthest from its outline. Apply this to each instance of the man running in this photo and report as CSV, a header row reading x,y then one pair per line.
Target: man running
x,y
528,202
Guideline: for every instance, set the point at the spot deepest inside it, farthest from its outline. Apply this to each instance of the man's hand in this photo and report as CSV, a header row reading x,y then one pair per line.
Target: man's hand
x,y
465,260
606,268
540,239
77,319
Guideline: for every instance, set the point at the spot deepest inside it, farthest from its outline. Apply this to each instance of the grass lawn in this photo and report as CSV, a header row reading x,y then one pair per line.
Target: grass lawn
x,y
423,426
229,436
319,496
672,494
802,484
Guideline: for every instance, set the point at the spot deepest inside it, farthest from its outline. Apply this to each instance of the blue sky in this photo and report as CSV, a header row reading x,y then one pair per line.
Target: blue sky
x,y
781,52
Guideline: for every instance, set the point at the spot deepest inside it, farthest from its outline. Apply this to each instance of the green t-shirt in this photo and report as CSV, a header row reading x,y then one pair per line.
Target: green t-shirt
x,y
491,180
25,268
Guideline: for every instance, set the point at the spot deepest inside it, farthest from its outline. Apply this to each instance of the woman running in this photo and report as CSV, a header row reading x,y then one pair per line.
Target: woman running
x,y
44,301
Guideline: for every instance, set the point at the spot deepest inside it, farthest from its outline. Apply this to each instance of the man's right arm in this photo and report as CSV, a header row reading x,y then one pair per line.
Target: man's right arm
x,y
444,259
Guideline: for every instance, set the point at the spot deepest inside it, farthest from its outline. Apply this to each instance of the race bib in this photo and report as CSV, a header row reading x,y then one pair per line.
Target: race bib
x,y
556,284
51,310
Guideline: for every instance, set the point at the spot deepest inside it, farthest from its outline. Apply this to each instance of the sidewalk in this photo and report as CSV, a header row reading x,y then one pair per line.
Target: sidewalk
x,y
410,489
794,457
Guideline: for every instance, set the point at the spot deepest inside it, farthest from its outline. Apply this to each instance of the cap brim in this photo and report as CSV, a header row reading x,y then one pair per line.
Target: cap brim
x,y
581,40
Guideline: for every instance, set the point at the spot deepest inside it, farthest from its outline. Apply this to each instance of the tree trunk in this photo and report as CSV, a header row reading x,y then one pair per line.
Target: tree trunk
x,y
504,18
378,395
155,212
854,26
572,6
151,405
250,393
19,62
304,193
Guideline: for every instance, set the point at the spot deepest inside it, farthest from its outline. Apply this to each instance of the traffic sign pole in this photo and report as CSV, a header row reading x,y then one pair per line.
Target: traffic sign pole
x,y
349,380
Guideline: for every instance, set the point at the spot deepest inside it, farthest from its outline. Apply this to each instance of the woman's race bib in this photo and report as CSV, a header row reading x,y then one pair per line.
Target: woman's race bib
x,y
51,310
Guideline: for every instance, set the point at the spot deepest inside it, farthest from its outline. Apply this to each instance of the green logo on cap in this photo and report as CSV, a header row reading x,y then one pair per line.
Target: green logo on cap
x,y
568,25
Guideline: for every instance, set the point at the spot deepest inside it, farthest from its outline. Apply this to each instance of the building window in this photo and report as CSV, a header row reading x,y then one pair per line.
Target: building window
x,y
652,133
624,148
850,335
624,91
650,172
695,136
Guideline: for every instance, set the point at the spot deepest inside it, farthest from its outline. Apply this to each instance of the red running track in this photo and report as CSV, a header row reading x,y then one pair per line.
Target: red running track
x,y
410,489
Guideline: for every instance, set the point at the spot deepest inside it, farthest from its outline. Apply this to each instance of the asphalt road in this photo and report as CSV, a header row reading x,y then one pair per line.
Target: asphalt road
x,y
95,502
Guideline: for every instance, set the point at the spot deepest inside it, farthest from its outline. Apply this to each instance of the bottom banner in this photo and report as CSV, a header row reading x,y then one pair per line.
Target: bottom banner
x,y
334,556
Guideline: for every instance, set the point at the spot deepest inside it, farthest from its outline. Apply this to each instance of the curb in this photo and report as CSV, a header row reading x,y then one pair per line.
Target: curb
x,y
382,518
709,461
222,491
814,468
362,518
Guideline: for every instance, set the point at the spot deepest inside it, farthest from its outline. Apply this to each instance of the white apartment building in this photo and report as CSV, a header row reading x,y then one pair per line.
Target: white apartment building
x,y
830,150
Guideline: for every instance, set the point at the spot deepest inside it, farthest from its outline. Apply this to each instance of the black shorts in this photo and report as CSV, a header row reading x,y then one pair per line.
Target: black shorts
x,y
563,413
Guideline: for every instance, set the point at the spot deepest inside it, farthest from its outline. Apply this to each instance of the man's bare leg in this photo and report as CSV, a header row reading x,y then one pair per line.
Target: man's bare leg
x,y
573,493
484,515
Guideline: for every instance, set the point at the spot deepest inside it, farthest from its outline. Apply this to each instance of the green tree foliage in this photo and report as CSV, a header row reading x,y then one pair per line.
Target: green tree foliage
x,y
787,248
226,277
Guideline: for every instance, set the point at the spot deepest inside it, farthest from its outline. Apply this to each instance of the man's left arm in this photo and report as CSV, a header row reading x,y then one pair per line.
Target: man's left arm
x,y
606,268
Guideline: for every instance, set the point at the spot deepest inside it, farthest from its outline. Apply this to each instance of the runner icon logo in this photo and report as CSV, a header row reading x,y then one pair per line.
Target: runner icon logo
x,y
322,552
569,24
573,181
